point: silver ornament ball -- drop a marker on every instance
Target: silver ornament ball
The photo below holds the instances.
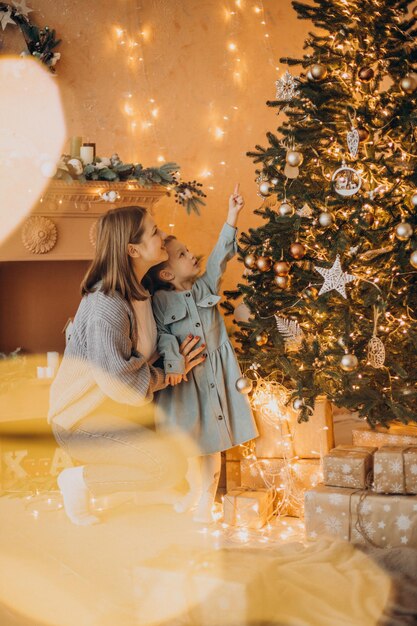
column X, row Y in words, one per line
column 413, row 259
column 325, row 219
column 403, row 231
column 294, row 158
column 408, row 84
column 274, row 181
column 244, row 385
column 264, row 188
column 298, row 404
column 349, row 362
column 286, row 210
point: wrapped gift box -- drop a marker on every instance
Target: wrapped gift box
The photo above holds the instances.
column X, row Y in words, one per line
column 394, row 436
column 348, row 466
column 395, row 470
column 239, row 452
column 315, row 438
column 275, row 439
column 251, row 509
column 361, row 516
column 199, row 587
column 233, row 475
column 288, row 479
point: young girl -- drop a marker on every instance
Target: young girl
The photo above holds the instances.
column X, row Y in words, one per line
column 100, row 403
column 207, row 406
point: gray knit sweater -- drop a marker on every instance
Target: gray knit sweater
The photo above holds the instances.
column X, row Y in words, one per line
column 101, row 362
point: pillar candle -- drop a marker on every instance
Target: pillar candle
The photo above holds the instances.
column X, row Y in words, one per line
column 75, row 146
column 87, row 154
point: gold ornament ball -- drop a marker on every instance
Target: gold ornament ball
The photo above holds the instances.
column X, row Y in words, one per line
column 282, row 268
column 297, row 250
column 309, row 75
column 413, row 259
column 282, row 281
column 408, row 84
column 261, row 339
column 348, row 362
column 403, row 231
column 244, row 385
column 264, row 263
column 325, row 219
column 294, row 158
column 413, row 199
column 363, row 133
column 318, row 71
column 264, row 188
column 250, row 261
column 366, row 74
column 311, row 292
column 285, row 209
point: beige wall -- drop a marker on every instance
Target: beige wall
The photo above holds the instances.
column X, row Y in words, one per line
column 190, row 73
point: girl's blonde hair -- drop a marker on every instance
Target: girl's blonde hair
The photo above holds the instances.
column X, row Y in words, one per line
column 112, row 264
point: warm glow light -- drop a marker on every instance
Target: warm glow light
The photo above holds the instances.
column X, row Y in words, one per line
column 154, row 112
column 218, row 133
column 232, row 46
column 161, row 159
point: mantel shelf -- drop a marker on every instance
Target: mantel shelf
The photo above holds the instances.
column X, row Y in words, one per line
column 61, row 226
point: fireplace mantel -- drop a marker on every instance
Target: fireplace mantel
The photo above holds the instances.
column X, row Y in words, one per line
column 61, row 226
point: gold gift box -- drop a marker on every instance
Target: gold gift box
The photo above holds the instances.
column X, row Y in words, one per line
column 361, row 516
column 233, row 475
column 348, row 466
column 395, row 470
column 247, row 508
column 289, row 479
column 394, row 436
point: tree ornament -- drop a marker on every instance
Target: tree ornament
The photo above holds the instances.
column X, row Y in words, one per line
column 408, row 84
column 366, row 74
column 286, row 209
column 282, row 268
column 249, row 261
column 282, row 281
column 346, row 180
column 311, row 292
column 348, row 362
column 318, row 71
column 244, row 385
column 291, row 172
column 264, row 263
column 274, row 181
column 291, row 331
column 413, row 259
column 367, row 214
column 294, row 158
column 334, row 278
column 305, row 211
column 298, row 404
column 261, row 339
column 297, row 250
column 264, row 188
column 325, row 219
column 286, row 87
column 363, row 133
column 242, row 313
column 403, row 231
column 353, row 142
column 413, row 199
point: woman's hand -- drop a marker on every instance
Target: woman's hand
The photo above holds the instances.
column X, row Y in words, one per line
column 236, row 204
column 192, row 356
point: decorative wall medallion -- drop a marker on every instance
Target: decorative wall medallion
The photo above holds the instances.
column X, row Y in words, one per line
column 39, row 234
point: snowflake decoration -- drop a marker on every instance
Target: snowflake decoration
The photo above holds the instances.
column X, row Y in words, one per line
column 396, row 467
column 334, row 278
column 413, row 469
column 381, row 524
column 368, row 529
column 336, row 498
column 346, row 468
column 404, row 539
column 387, row 508
column 286, row 87
column 403, row 522
column 333, row 524
column 366, row 507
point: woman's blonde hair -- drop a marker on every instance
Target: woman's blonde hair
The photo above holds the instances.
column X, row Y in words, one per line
column 112, row 264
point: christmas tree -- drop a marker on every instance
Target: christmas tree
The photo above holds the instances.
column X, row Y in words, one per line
column 331, row 274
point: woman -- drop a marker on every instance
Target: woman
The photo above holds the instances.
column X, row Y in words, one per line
column 107, row 372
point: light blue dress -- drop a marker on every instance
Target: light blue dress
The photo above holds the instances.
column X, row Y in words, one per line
column 208, row 407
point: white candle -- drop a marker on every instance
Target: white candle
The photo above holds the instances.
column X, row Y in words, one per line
column 87, row 154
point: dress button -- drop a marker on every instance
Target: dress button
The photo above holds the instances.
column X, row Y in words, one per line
column 198, row 324
column 173, row 317
column 212, row 385
column 187, row 295
column 220, row 417
column 169, row 365
column 209, row 302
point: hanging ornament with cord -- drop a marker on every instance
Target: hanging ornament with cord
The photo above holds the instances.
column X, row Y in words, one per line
column 376, row 349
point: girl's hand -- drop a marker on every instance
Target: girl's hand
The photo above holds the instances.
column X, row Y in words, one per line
column 173, row 379
column 236, row 204
column 193, row 356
